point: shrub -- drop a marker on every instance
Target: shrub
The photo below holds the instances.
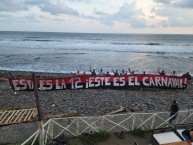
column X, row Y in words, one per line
column 138, row 132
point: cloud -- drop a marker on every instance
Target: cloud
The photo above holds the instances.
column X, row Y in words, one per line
column 178, row 12
column 127, row 14
column 130, row 13
column 163, row 1
column 136, row 15
column 177, row 17
column 177, row 3
column 12, row 5
column 56, row 7
column 184, row 4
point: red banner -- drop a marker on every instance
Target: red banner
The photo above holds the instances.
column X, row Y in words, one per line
column 86, row 82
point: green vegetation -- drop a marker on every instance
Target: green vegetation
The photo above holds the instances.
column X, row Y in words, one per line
column 138, row 132
column 85, row 138
column 35, row 143
column 16, row 143
column 94, row 138
column 28, row 143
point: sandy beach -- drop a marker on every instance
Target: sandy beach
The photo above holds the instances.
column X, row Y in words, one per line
column 91, row 102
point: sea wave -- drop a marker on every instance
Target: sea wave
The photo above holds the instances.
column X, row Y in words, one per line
column 41, row 40
column 151, row 43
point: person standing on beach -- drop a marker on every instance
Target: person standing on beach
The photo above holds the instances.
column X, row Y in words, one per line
column 173, row 111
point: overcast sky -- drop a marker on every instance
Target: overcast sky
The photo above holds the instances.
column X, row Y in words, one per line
column 106, row 16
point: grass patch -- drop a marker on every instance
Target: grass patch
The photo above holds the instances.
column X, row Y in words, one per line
column 94, row 138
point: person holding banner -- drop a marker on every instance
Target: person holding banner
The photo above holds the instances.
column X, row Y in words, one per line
column 107, row 74
column 123, row 73
column 116, row 73
column 173, row 73
column 188, row 76
column 93, row 73
column 161, row 72
column 131, row 72
column 78, row 73
column 101, row 72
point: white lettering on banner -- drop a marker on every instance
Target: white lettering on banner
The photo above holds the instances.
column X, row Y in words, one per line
column 97, row 81
column 76, row 83
column 144, row 81
column 130, row 80
column 42, row 85
column 102, row 81
column 164, row 81
column 23, row 84
column 48, row 84
column 133, row 81
column 151, row 82
column 91, row 80
column 45, row 84
column 30, row 84
column 181, row 85
column 122, row 81
column 107, row 81
column 157, row 81
column 136, row 81
column 15, row 85
column 169, row 82
column 79, row 82
column 115, row 81
column 58, row 87
column 86, row 83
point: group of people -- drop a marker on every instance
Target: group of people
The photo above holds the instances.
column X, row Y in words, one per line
column 187, row 74
column 116, row 72
column 124, row 73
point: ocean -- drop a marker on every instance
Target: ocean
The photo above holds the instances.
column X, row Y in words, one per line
column 69, row 52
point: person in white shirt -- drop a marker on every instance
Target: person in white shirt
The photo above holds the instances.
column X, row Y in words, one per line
column 123, row 73
column 173, row 73
column 101, row 73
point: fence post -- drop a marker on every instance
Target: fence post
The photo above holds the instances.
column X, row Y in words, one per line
column 134, row 119
column 102, row 122
column 40, row 117
column 153, row 121
column 77, row 126
column 51, row 126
